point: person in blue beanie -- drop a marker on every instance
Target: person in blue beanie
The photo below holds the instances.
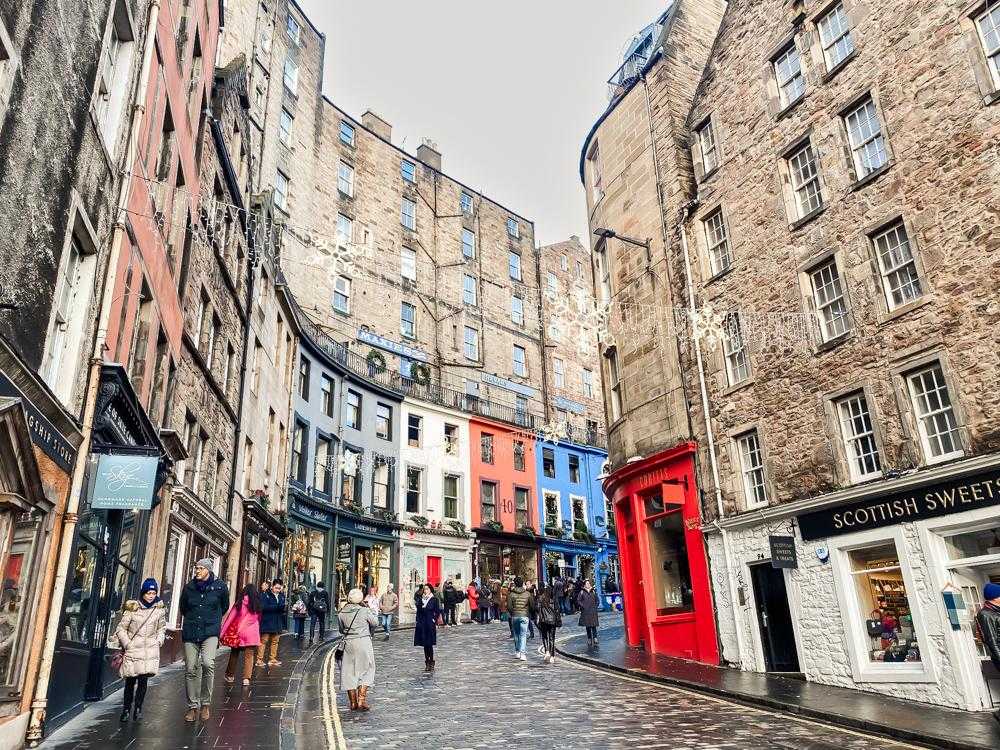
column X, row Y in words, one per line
column 988, row 620
column 140, row 632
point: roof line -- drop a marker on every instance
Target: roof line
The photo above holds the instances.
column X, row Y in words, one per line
column 364, row 127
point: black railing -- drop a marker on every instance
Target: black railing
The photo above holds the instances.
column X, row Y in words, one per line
column 433, row 392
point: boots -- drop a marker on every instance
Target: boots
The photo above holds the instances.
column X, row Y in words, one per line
column 428, row 665
column 352, row 697
column 124, row 717
column 363, row 698
column 137, row 712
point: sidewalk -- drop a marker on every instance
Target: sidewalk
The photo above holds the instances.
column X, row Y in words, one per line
column 251, row 717
column 889, row 717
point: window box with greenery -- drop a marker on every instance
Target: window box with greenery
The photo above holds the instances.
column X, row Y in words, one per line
column 421, row 521
column 493, row 526
column 582, row 534
column 261, row 497
column 526, row 530
column 554, row 531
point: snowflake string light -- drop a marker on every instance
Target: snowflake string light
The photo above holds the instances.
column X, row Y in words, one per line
column 349, row 464
column 577, row 315
column 709, row 326
column 553, row 432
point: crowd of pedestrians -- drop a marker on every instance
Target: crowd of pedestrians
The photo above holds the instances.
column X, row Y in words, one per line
column 252, row 624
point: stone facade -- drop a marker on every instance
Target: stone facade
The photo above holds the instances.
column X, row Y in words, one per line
column 633, row 158
column 572, row 361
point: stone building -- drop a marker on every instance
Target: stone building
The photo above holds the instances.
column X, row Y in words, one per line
column 571, row 326
column 843, row 221
column 636, row 170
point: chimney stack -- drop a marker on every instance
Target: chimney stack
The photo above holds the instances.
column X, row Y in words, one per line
column 377, row 125
column 428, row 153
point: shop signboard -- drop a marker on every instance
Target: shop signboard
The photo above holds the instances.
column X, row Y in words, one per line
column 43, row 434
column 389, row 345
column 952, row 495
column 509, row 385
column 783, row 552
column 124, row 482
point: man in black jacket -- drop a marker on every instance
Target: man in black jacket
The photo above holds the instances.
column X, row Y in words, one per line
column 988, row 620
column 203, row 602
column 319, row 605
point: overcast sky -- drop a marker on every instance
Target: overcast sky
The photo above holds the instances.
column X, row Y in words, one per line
column 508, row 89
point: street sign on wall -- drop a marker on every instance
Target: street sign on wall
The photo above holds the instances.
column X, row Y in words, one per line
column 783, row 552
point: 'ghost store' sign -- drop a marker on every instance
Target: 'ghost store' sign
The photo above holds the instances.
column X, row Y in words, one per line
column 927, row 501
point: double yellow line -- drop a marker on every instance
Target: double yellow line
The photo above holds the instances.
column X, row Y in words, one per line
column 328, row 702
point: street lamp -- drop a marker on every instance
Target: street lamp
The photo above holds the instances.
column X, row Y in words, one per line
column 607, row 234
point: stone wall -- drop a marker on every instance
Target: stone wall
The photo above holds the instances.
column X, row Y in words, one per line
column 920, row 70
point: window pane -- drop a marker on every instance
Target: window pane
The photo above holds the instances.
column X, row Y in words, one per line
column 934, row 412
column 835, row 35
column 859, row 437
column 668, row 552
column 831, row 305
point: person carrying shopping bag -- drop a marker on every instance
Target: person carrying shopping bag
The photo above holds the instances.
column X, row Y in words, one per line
column 141, row 632
column 241, row 632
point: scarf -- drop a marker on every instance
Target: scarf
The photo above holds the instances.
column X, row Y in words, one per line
column 150, row 605
column 425, row 599
column 202, row 586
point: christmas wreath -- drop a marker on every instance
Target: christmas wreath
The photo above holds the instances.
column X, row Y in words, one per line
column 376, row 360
column 421, row 374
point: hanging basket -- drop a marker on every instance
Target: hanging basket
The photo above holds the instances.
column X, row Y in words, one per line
column 376, row 360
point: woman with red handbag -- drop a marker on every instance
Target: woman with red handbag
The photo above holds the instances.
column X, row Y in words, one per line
column 241, row 632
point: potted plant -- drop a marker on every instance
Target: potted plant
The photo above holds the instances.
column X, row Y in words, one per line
column 457, row 526
column 420, row 521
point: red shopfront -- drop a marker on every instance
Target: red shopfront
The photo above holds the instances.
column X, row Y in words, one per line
column 665, row 580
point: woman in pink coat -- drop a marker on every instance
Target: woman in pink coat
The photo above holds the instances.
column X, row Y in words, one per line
column 241, row 632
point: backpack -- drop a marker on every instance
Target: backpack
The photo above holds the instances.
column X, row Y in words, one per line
column 299, row 608
column 319, row 600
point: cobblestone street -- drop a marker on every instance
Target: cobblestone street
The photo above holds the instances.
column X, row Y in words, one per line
column 479, row 696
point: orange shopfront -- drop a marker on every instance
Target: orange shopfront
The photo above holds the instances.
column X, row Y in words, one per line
column 665, row 581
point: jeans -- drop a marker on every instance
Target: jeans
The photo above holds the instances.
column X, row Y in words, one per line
column 565, row 606
column 531, row 628
column 133, row 694
column 548, row 633
column 300, row 626
column 510, row 621
column 385, row 620
column 199, row 671
column 520, row 634
column 321, row 617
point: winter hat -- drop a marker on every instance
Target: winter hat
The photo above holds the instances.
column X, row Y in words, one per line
column 991, row 591
column 149, row 585
column 205, row 562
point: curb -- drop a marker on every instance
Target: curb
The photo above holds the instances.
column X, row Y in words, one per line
column 760, row 701
column 286, row 724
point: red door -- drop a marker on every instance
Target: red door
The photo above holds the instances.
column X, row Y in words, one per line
column 636, row 624
column 434, row 571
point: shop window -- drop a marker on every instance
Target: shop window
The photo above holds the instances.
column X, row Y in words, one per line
column 450, row 492
column 307, row 553
column 669, row 557
column 518, row 455
column 414, row 426
column 574, row 468
column 884, row 605
column 414, row 482
column 18, row 538
column 486, row 448
column 173, row 579
column 973, row 543
column 77, row 602
column 488, row 502
column 548, row 463
column 522, row 498
column 380, row 483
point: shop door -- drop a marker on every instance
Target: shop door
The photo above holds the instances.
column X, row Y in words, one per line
column 433, row 570
column 636, row 624
column 775, row 621
column 971, row 581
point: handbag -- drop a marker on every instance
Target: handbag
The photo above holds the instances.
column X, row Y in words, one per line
column 874, row 624
column 231, row 637
column 341, row 643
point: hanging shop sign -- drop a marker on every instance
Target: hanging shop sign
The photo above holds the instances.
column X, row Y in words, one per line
column 48, row 439
column 390, row 346
column 508, row 385
column 930, row 501
column 124, row 482
column 783, row 552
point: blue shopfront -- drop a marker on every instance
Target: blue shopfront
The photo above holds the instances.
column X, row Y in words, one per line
column 578, row 530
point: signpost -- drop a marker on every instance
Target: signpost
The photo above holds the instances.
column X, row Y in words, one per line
column 783, row 552
column 124, row 482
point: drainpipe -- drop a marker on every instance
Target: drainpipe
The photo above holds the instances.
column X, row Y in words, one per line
column 36, row 727
column 713, row 461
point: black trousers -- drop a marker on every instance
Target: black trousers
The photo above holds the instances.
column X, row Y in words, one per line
column 591, row 632
column 135, row 690
column 428, row 653
column 450, row 618
column 548, row 633
column 321, row 617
